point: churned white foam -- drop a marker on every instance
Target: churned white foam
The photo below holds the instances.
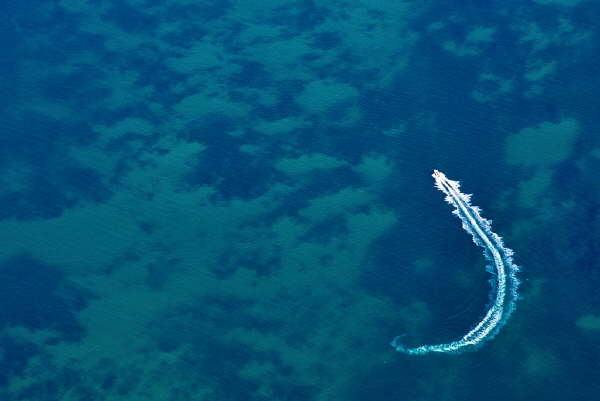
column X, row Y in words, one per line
column 504, row 291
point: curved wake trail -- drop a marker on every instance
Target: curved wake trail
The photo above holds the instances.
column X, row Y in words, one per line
column 504, row 284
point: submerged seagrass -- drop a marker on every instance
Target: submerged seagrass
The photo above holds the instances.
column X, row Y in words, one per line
column 505, row 284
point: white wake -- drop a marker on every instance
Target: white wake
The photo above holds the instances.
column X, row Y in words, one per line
column 504, row 284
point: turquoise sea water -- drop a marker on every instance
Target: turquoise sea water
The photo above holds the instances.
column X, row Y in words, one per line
column 232, row 200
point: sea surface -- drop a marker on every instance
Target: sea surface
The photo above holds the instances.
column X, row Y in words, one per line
column 231, row 200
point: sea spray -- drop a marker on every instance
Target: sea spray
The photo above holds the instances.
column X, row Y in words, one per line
column 504, row 283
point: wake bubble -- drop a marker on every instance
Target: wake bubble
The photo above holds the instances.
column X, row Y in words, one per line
column 504, row 283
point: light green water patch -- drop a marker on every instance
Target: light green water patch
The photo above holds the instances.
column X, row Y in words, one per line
column 331, row 205
column 540, row 149
column 307, row 163
column 473, row 42
column 130, row 125
column 539, row 70
column 201, row 104
column 540, row 362
column 480, row 34
column 530, row 189
column 589, row 322
column 595, row 153
column 319, row 96
column 563, row 3
column 501, row 86
column 374, row 168
column 543, row 145
column 565, row 33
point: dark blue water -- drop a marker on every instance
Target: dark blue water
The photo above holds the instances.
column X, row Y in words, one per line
column 232, row 200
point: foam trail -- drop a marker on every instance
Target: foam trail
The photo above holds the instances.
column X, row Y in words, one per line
column 504, row 283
